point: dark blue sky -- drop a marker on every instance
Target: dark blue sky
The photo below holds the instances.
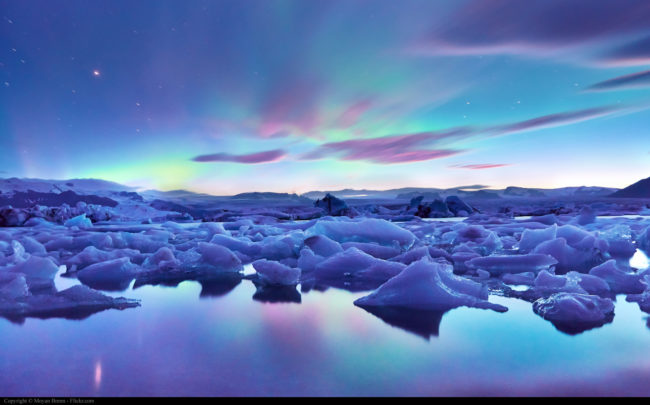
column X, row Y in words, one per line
column 230, row 96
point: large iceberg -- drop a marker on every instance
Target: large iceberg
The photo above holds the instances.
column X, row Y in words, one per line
column 427, row 285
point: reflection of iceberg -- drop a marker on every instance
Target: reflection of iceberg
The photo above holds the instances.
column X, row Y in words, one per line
column 219, row 285
column 347, row 283
column 276, row 293
column 78, row 302
column 419, row 322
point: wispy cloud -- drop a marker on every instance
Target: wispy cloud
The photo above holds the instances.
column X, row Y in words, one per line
column 422, row 146
column 253, row 158
column 634, row 80
column 574, row 29
column 480, row 166
column 553, row 120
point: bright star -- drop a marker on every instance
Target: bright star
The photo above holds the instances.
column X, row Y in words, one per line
column 96, row 73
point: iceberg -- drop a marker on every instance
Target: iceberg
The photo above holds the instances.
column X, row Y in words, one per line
column 366, row 230
column 274, row 273
column 111, row 275
column 499, row 264
column 575, row 313
column 426, row 285
column 355, row 263
column 619, row 281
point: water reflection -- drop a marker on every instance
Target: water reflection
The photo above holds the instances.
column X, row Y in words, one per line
column 576, row 328
column 351, row 284
column 98, row 375
column 118, row 285
column 419, row 322
column 276, row 294
column 219, row 285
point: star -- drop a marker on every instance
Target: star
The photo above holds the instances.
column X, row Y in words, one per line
column 96, row 73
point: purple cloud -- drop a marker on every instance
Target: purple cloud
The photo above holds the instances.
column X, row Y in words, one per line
column 553, row 120
column 634, row 80
column 253, row 158
column 480, row 166
column 426, row 145
column 390, row 149
column 535, row 28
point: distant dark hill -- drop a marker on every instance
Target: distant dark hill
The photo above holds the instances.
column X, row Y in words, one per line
column 640, row 189
column 31, row 198
column 256, row 195
column 522, row 192
column 482, row 194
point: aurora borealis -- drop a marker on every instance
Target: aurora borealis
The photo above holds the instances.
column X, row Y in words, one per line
column 225, row 97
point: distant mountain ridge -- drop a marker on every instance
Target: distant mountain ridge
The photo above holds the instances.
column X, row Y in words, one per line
column 468, row 192
column 121, row 192
column 640, row 189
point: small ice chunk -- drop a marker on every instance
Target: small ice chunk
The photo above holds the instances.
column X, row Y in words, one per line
column 572, row 234
column 13, row 286
column 37, row 269
column 527, row 278
column 321, row 245
column 145, row 243
column 279, row 247
column 365, row 230
column 219, row 257
column 18, row 252
column 163, row 259
column 373, row 249
column 499, row 264
column 242, row 245
column 91, row 255
column 490, row 244
column 482, row 274
column 355, row 263
column 308, row 260
column 460, row 259
column 79, row 221
column 111, row 274
column 644, row 240
column 642, row 299
column 590, row 283
column 587, row 216
column 429, row 286
column 619, row 280
column 547, row 280
column 574, row 313
column 274, row 273
column 412, row 255
column 213, row 228
column 568, row 257
column 530, row 238
column 32, row 246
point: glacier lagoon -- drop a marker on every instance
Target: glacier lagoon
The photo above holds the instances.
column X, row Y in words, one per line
column 185, row 341
column 233, row 336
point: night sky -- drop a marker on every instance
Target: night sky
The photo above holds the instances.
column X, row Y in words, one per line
column 228, row 96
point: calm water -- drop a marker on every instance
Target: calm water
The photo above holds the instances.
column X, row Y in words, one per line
column 188, row 340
